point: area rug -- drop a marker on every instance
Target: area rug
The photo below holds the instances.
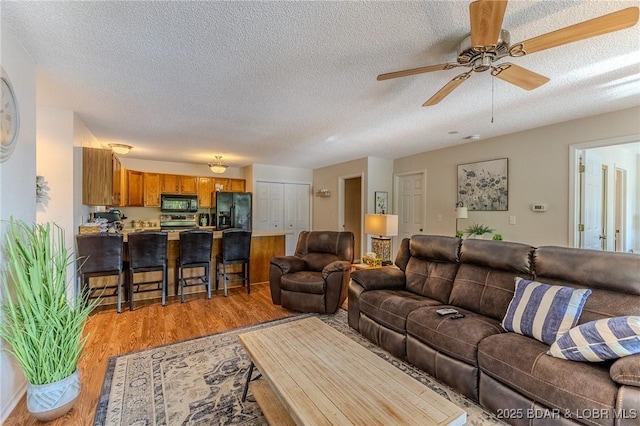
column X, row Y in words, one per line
column 200, row 382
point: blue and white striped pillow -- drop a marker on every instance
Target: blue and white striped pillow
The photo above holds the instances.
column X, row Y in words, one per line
column 600, row 340
column 543, row 311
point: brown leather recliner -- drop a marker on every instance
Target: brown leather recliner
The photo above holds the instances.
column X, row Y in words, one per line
column 316, row 278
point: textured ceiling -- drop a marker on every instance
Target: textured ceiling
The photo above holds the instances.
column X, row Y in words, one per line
column 294, row 83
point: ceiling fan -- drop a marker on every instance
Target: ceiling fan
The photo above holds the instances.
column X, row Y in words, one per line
column 488, row 43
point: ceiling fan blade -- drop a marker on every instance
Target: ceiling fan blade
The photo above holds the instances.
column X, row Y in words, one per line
column 519, row 76
column 448, row 88
column 413, row 71
column 486, row 21
column 615, row 21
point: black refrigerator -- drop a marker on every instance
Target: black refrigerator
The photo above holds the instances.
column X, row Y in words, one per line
column 233, row 210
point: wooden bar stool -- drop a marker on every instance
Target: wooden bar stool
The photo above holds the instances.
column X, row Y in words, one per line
column 195, row 252
column 147, row 253
column 100, row 255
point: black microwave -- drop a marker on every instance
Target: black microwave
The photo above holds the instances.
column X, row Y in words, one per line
column 178, row 203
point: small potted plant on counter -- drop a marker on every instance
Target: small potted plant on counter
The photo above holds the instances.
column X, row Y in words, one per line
column 42, row 326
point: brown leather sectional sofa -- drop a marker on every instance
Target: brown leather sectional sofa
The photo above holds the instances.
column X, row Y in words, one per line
column 507, row 373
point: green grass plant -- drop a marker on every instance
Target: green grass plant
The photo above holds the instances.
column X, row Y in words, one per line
column 478, row 229
column 43, row 327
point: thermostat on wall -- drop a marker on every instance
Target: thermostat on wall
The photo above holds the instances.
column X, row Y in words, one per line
column 539, row 207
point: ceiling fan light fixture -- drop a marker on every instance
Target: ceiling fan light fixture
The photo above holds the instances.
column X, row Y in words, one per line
column 217, row 166
column 120, row 148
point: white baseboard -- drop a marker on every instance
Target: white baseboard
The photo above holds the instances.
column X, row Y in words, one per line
column 10, row 405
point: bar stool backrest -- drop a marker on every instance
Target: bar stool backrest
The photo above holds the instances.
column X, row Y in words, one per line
column 195, row 246
column 99, row 253
column 236, row 244
column 147, row 249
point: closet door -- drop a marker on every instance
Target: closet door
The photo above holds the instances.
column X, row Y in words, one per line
column 296, row 213
column 276, row 206
column 269, row 206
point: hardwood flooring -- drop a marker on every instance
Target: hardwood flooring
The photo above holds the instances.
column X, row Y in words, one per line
column 149, row 325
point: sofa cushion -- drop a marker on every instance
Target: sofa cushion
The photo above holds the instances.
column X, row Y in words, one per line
column 522, row 364
column 457, row 338
column 303, row 282
column 600, row 340
column 391, row 307
column 485, row 281
column 430, row 278
column 612, row 277
column 542, row 311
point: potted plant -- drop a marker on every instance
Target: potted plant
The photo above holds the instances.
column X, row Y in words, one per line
column 477, row 230
column 43, row 327
column 497, row 237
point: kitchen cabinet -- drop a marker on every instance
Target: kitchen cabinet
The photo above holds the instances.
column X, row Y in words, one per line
column 237, row 185
column 120, row 189
column 169, row 184
column 135, row 188
column 229, row 185
column 97, row 177
column 188, row 184
column 178, row 184
column 205, row 187
column 152, row 185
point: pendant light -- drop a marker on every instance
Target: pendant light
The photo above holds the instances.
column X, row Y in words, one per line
column 120, row 148
column 217, row 166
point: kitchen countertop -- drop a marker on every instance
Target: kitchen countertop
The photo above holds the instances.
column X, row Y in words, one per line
column 175, row 235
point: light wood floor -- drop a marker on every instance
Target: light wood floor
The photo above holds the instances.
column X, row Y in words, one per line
column 151, row 325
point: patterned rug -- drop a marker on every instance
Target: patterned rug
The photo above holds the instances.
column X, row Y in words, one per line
column 200, row 382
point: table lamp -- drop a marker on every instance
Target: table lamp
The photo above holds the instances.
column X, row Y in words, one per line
column 384, row 226
column 461, row 213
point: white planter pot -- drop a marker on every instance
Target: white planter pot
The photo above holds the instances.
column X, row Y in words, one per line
column 52, row 400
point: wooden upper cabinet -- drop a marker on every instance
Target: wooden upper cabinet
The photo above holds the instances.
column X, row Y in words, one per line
column 205, row 187
column 188, row 184
column 119, row 176
column 220, row 184
column 97, row 177
column 152, row 184
column 135, row 188
column 237, row 185
column 229, row 185
column 169, row 184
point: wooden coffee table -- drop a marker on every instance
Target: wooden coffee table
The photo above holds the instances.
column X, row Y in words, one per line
column 314, row 375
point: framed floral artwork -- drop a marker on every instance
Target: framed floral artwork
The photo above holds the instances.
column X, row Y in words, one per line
column 484, row 185
column 382, row 199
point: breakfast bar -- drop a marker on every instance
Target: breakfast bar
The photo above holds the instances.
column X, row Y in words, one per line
column 264, row 246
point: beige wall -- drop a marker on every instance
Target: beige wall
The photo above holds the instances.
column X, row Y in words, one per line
column 538, row 173
column 17, row 189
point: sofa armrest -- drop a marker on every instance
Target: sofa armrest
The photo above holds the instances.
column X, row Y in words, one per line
column 626, row 370
column 378, row 279
column 289, row 264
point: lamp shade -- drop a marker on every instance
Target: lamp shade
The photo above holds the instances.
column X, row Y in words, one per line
column 462, row 213
column 385, row 225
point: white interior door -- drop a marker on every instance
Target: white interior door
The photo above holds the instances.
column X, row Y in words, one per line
column 592, row 201
column 411, row 205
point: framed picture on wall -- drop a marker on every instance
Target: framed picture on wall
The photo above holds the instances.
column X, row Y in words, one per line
column 382, row 199
column 484, row 186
